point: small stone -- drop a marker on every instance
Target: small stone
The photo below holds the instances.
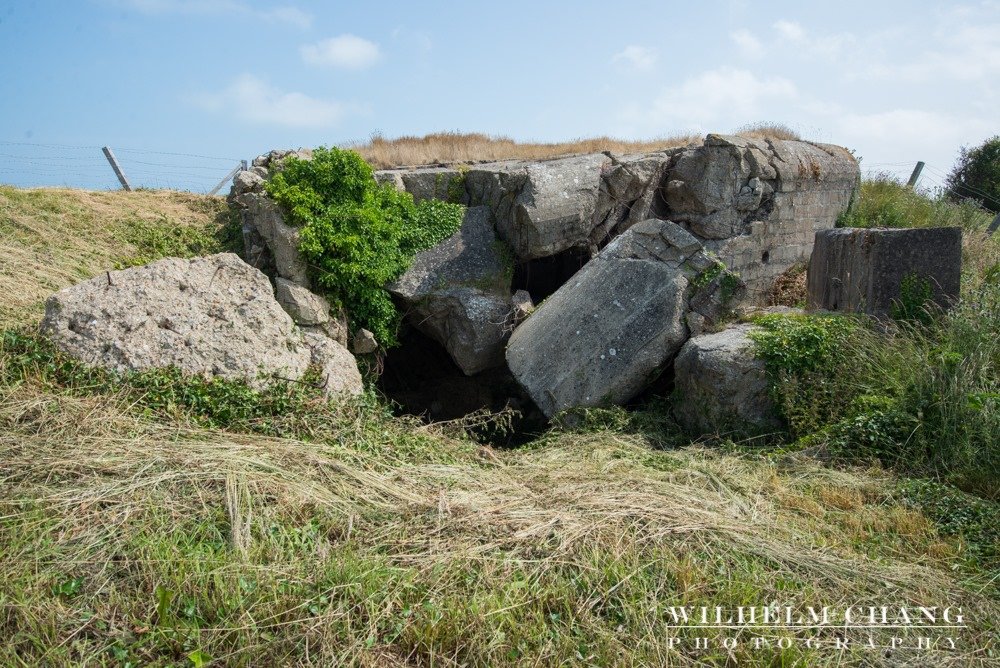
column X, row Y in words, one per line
column 305, row 307
column 522, row 304
column 338, row 369
column 364, row 342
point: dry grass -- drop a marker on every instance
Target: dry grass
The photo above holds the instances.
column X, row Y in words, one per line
column 457, row 147
column 768, row 131
column 51, row 238
column 372, row 541
column 455, row 562
column 789, row 288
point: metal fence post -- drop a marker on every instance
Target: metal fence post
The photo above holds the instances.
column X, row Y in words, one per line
column 238, row 168
column 118, row 170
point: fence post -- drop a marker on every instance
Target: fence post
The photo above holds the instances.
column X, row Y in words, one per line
column 118, row 170
column 238, row 168
column 994, row 226
column 916, row 174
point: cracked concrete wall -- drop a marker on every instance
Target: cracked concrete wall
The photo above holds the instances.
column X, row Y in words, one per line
column 755, row 203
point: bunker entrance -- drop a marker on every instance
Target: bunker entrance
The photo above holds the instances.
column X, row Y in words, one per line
column 421, row 379
column 544, row 276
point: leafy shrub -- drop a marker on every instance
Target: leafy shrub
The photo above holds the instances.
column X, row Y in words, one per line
column 920, row 397
column 956, row 513
column 356, row 234
column 976, row 175
column 805, row 361
column 876, row 427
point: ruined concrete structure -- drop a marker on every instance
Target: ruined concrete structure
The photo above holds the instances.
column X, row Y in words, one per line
column 875, row 271
column 755, row 203
column 650, row 245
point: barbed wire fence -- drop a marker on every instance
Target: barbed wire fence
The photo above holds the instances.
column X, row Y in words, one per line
column 32, row 164
column 935, row 179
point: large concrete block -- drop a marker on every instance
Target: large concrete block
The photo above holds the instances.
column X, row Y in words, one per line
column 213, row 316
column 458, row 293
column 603, row 335
column 757, row 203
column 541, row 208
column 720, row 387
column 864, row 270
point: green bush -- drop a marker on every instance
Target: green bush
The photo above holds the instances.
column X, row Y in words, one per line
column 955, row 513
column 805, row 360
column 885, row 202
column 976, row 175
column 922, row 397
column 357, row 235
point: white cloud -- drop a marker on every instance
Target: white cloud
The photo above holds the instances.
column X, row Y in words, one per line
column 909, row 135
column 790, row 30
column 251, row 99
column 282, row 13
column 792, row 34
column 712, row 101
column 966, row 50
column 748, row 43
column 344, row 51
column 636, row 57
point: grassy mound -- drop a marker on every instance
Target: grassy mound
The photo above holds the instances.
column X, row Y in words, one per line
column 142, row 524
column 52, row 238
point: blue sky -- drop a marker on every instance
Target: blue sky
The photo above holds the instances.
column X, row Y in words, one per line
column 229, row 79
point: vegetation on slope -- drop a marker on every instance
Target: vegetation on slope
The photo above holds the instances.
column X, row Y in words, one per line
column 152, row 542
column 885, row 202
column 155, row 520
column 52, row 238
column 922, row 395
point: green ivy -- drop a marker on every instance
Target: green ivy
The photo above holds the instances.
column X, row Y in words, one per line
column 804, row 360
column 358, row 235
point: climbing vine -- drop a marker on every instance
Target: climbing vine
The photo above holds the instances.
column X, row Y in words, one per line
column 356, row 234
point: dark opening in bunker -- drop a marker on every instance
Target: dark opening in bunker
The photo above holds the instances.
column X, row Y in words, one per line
column 422, row 379
column 545, row 275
